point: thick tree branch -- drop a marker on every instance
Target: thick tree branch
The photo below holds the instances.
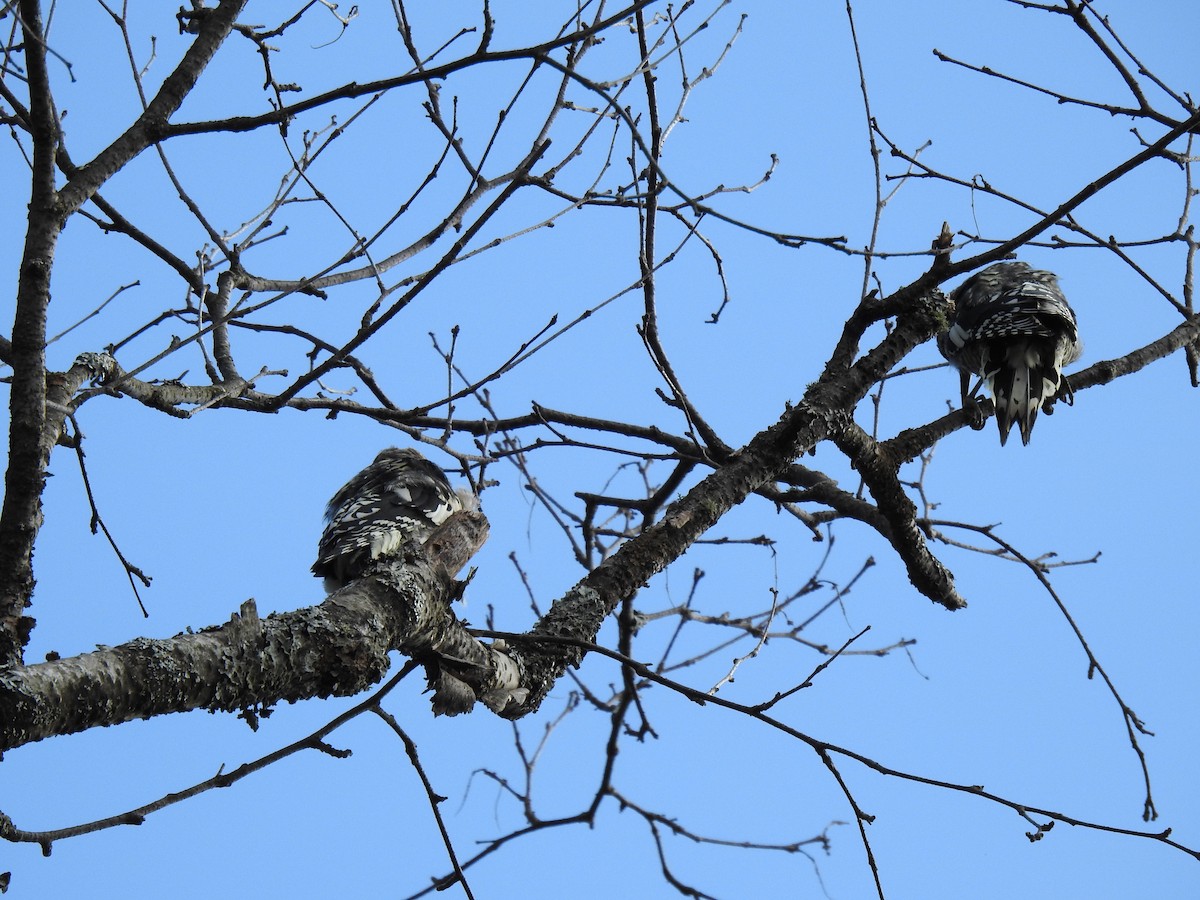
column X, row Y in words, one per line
column 337, row 648
column 21, row 516
column 880, row 471
column 826, row 410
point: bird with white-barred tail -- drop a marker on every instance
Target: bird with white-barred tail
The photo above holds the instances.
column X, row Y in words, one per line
column 400, row 497
column 1014, row 329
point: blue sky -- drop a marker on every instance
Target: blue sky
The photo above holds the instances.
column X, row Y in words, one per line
column 227, row 505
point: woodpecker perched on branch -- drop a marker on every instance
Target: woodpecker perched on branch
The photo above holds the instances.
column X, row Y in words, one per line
column 1013, row 328
column 399, row 497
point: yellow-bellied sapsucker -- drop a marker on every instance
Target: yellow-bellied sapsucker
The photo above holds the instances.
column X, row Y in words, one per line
column 399, row 497
column 1013, row 328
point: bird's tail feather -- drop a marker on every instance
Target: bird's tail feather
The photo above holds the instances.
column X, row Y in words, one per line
column 1019, row 390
